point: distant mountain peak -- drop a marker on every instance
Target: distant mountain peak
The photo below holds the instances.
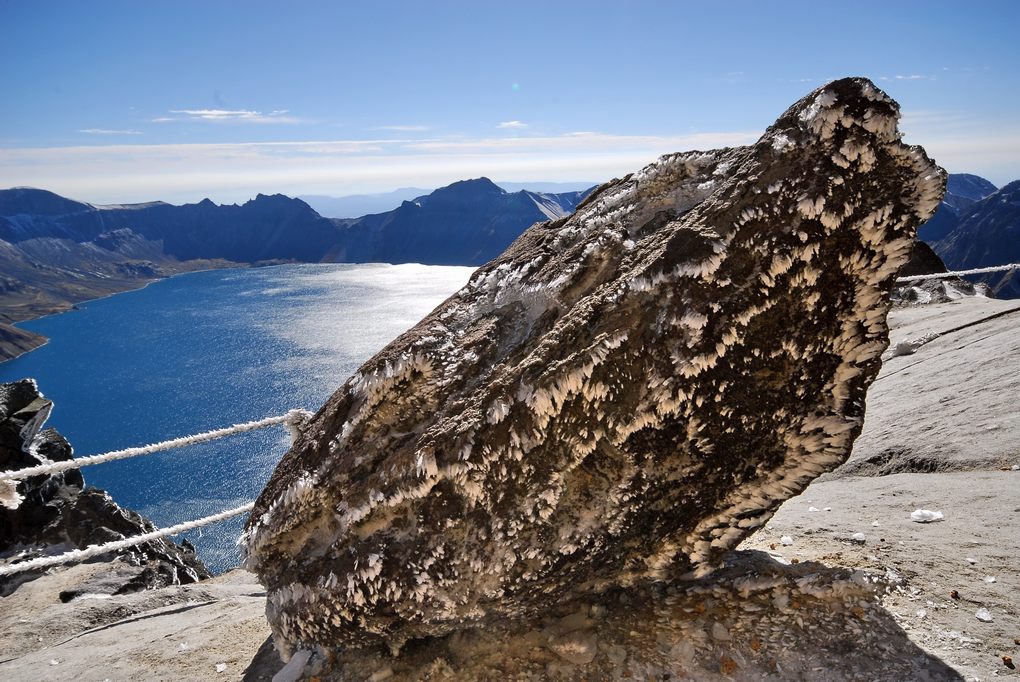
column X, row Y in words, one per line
column 970, row 186
column 33, row 201
column 476, row 187
column 478, row 184
column 1011, row 187
column 963, row 190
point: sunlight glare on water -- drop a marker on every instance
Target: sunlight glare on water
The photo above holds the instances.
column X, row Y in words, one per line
column 209, row 349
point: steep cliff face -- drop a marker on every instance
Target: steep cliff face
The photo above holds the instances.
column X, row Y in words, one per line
column 58, row 512
column 622, row 396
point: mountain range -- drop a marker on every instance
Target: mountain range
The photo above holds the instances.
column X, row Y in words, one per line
column 979, row 226
column 55, row 252
column 354, row 205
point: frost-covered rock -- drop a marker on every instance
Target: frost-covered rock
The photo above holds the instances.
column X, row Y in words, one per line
column 622, row 396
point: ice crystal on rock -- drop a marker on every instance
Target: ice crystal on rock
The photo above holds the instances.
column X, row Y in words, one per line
column 623, row 395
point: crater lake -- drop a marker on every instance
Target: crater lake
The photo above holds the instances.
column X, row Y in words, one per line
column 202, row 351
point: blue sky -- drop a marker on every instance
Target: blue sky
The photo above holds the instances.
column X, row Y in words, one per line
column 179, row 100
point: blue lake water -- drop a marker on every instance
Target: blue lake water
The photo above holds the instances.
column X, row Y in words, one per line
column 208, row 349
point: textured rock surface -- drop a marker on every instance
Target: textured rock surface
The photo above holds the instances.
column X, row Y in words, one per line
column 59, row 513
column 181, row 633
column 756, row 619
column 622, row 396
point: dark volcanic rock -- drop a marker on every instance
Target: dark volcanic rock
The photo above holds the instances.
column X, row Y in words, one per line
column 58, row 513
column 622, row 396
column 923, row 261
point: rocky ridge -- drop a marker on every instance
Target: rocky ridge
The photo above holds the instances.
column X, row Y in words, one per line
column 619, row 399
column 58, row 512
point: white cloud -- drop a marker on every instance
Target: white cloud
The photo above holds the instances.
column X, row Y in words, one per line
column 235, row 172
column 911, row 77
column 512, row 125
column 965, row 144
column 228, row 115
column 104, row 131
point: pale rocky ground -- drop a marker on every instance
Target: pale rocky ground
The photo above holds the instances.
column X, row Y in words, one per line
column 174, row 633
column 942, row 433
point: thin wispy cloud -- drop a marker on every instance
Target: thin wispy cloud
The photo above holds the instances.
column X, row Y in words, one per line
column 928, row 121
column 963, row 143
column 236, row 171
column 106, row 131
column 228, row 116
column 512, row 125
column 911, row 77
column 403, row 128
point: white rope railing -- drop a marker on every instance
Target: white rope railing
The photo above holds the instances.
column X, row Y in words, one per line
column 959, row 273
column 294, row 419
column 118, row 545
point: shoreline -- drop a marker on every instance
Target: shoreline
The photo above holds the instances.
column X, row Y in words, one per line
column 142, row 284
column 145, row 283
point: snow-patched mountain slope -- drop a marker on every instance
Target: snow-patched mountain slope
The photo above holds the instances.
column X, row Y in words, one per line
column 988, row 234
column 466, row 223
column 962, row 191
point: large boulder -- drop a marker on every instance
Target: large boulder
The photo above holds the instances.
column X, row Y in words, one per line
column 621, row 397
